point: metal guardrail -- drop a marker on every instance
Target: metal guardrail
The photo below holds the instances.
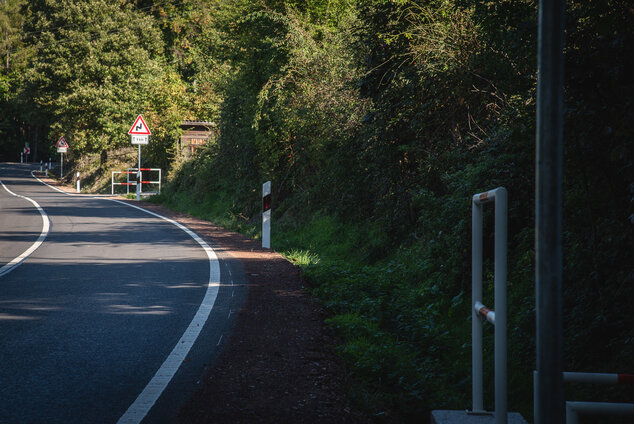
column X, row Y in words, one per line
column 498, row 318
column 575, row 408
column 133, row 182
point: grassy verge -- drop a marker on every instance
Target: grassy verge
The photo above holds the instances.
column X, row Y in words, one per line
column 402, row 336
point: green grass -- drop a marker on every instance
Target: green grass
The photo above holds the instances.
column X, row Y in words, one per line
column 400, row 314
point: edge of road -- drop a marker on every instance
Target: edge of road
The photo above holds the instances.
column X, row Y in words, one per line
column 46, row 225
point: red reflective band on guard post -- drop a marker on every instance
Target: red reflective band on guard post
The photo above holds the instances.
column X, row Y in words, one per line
column 484, row 311
column 626, row 379
column 266, row 202
column 483, row 197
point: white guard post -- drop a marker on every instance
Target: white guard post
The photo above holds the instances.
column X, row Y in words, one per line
column 138, row 184
column 266, row 215
column 21, row 157
column 498, row 318
column 78, row 185
column 40, row 167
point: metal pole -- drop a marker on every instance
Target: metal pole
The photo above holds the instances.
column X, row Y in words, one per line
column 61, row 165
column 476, row 295
column 140, row 189
column 501, row 402
column 548, row 224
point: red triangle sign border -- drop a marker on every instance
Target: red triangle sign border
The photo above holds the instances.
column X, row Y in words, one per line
column 61, row 142
column 139, row 128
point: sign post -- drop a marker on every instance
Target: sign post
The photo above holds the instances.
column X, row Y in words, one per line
column 62, row 147
column 266, row 215
column 140, row 134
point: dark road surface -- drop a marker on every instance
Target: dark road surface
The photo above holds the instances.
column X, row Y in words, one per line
column 89, row 318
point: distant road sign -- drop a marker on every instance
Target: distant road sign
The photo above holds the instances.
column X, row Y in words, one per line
column 27, row 150
column 61, row 143
column 62, row 149
column 139, row 128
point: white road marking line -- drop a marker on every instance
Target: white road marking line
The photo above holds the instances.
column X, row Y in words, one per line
column 45, row 229
column 150, row 394
column 142, row 405
column 219, row 340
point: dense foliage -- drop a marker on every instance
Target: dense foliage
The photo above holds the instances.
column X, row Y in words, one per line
column 376, row 121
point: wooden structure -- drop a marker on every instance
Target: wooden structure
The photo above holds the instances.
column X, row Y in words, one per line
column 195, row 135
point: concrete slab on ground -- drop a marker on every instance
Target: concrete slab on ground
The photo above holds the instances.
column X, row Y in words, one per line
column 462, row 417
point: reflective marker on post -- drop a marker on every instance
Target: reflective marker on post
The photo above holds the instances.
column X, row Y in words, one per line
column 266, row 215
column 78, row 186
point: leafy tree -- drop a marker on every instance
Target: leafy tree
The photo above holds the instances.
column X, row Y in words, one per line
column 96, row 62
column 14, row 54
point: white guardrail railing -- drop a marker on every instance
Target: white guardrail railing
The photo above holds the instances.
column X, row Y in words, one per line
column 134, row 180
column 497, row 318
column 575, row 408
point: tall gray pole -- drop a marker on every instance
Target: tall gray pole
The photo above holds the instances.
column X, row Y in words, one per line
column 550, row 402
column 140, row 186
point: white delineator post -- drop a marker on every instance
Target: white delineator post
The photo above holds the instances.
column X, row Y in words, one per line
column 78, row 185
column 266, row 215
column 498, row 318
column 40, row 166
column 138, row 184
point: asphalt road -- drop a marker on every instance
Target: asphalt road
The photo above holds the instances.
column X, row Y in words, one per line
column 88, row 319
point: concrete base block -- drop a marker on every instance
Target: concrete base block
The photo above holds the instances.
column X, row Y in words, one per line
column 461, row 417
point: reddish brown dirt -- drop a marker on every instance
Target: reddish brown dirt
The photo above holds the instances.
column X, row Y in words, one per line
column 279, row 365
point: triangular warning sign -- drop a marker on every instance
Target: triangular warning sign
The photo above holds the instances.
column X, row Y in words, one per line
column 61, row 142
column 139, row 127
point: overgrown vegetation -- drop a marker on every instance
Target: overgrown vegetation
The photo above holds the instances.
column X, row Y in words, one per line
column 376, row 121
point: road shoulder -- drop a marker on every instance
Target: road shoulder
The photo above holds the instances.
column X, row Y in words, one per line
column 279, row 364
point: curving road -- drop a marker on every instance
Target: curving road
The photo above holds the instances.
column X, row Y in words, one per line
column 98, row 320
